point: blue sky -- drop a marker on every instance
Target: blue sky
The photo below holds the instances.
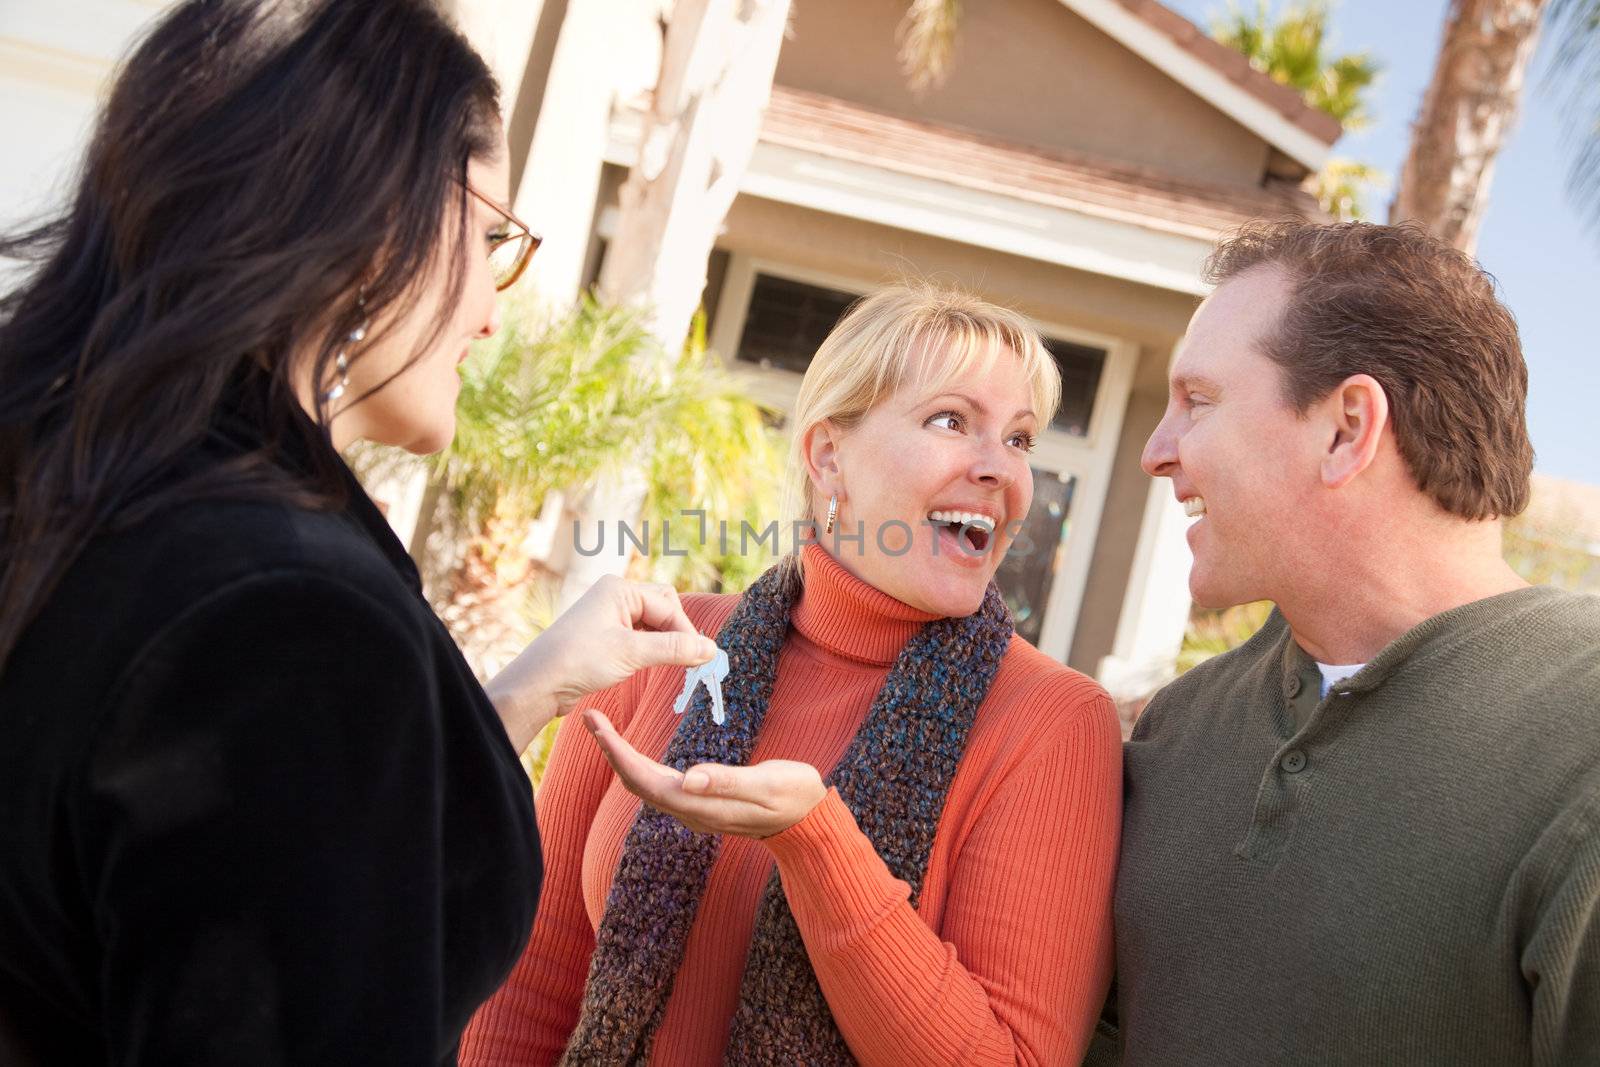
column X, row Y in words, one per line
column 1532, row 238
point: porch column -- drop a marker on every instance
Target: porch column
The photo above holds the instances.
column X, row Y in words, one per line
column 1155, row 607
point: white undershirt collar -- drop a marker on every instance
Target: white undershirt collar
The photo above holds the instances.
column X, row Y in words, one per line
column 1336, row 672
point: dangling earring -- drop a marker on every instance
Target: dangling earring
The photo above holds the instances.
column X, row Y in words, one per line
column 833, row 512
column 341, row 362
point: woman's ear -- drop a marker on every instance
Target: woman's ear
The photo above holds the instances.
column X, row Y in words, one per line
column 1358, row 412
column 819, row 445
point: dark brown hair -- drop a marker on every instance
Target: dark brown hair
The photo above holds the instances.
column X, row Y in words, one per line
column 1425, row 321
column 259, row 167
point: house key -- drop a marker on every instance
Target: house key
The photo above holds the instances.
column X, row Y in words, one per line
column 712, row 673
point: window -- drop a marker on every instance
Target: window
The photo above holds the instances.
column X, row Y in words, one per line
column 1029, row 570
column 1080, row 367
column 787, row 322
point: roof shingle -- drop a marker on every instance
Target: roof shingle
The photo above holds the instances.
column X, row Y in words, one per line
column 1232, row 65
column 843, row 130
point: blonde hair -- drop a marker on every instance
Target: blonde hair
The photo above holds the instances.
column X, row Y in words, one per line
column 872, row 352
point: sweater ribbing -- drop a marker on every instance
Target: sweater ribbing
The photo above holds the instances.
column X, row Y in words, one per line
column 1008, row 951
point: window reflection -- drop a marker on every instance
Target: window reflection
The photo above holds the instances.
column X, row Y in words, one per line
column 1029, row 571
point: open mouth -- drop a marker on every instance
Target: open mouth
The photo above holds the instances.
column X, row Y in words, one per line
column 972, row 532
column 1194, row 507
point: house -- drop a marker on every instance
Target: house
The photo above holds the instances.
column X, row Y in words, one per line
column 1077, row 164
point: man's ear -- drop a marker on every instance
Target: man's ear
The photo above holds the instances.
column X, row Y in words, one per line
column 1357, row 412
column 819, row 447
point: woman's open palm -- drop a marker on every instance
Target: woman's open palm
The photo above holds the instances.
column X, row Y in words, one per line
column 758, row 801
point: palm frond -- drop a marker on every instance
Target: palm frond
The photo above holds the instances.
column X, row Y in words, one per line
column 547, row 404
column 1574, row 28
column 1345, row 186
column 1341, row 90
column 555, row 403
column 927, row 38
column 1292, row 49
column 1294, row 53
column 1244, row 31
column 559, row 403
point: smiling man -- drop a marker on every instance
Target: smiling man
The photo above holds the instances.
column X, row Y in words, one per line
column 1371, row 834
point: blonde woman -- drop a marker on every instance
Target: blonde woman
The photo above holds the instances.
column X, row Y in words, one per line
column 899, row 847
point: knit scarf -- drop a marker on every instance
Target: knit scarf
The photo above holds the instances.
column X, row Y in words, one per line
column 893, row 777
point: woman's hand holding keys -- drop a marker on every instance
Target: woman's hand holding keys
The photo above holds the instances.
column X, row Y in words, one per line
column 616, row 628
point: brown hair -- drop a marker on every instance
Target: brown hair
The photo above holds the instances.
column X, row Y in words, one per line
column 1425, row 321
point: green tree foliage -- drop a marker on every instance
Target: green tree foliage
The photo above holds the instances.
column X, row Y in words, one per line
column 1293, row 50
column 1343, row 186
column 558, row 403
column 552, row 404
column 1212, row 633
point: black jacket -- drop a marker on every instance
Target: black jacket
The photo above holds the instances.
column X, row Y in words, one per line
column 254, row 807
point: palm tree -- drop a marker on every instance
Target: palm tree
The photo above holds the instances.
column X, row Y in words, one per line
column 1466, row 115
column 1342, row 187
column 696, row 140
column 1292, row 50
column 1471, row 104
column 554, row 403
column 1575, row 26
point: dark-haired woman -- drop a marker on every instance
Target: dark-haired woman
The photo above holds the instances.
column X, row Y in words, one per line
column 254, row 808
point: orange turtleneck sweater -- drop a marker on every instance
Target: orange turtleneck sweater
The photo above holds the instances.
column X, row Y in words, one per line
column 1005, row 959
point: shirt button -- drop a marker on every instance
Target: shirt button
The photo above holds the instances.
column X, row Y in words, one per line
column 1294, row 761
column 1294, row 687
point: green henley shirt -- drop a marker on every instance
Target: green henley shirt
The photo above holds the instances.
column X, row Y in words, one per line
column 1406, row 871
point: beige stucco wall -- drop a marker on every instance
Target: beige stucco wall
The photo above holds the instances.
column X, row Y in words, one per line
column 869, row 253
column 1029, row 71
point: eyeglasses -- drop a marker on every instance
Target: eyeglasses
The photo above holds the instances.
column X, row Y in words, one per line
column 510, row 251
